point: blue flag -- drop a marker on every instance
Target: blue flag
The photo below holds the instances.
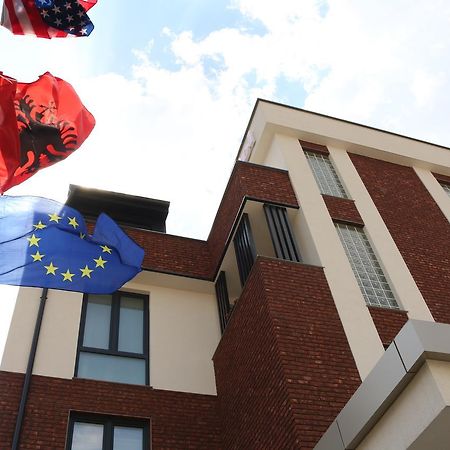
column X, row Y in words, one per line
column 46, row 244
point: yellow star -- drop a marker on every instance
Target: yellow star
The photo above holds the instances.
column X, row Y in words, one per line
column 39, row 226
column 100, row 262
column 67, row 275
column 33, row 240
column 106, row 249
column 54, row 218
column 37, row 256
column 86, row 272
column 73, row 221
column 82, row 235
column 51, row 269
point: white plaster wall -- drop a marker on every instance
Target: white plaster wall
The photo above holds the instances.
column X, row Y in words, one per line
column 320, row 245
column 56, row 352
column 422, row 401
column 184, row 332
column 270, row 119
column 400, row 279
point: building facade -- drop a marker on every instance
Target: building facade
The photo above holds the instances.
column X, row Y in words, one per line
column 315, row 315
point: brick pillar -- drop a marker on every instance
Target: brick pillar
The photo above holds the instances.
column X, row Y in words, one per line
column 283, row 367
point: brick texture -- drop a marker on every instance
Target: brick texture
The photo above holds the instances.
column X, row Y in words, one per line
column 178, row 420
column 388, row 322
column 342, row 209
column 253, row 181
column 200, row 259
column 283, row 367
column 417, row 225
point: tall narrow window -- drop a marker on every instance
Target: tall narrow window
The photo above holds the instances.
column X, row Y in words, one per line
column 281, row 232
column 325, row 175
column 446, row 188
column 367, row 270
column 92, row 432
column 113, row 343
column 223, row 302
column 245, row 248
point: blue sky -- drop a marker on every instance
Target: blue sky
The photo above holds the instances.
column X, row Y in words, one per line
column 172, row 86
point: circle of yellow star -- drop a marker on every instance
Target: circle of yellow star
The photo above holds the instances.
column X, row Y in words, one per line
column 82, row 235
column 33, row 240
column 73, row 221
column 67, row 275
column 51, row 269
column 100, row 262
column 86, row 272
column 54, row 217
column 37, row 256
column 106, row 249
column 39, row 226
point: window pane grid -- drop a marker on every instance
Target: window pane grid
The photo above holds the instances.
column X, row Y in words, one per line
column 446, row 188
column 325, row 175
column 367, row 270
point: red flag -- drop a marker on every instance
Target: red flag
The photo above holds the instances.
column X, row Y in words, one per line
column 43, row 123
column 48, row 18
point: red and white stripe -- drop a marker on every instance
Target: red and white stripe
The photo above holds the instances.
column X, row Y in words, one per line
column 22, row 17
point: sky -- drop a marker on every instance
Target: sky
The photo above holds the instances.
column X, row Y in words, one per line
column 172, row 86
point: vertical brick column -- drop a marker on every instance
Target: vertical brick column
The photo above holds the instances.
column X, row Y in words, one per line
column 283, row 367
column 417, row 225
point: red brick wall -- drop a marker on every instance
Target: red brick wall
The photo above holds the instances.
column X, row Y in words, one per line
column 283, row 367
column 248, row 180
column 199, row 259
column 342, row 209
column 178, row 420
column 388, row 322
column 417, row 225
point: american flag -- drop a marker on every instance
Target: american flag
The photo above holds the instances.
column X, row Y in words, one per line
column 48, row 18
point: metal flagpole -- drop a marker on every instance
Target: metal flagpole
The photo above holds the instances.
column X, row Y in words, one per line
column 28, row 373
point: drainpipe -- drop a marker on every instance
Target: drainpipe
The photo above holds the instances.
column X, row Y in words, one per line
column 28, row 373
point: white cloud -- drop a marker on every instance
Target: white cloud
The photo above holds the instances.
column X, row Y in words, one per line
column 172, row 133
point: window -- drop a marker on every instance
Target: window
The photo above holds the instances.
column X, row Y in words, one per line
column 446, row 187
column 281, row 233
column 325, row 175
column 91, row 432
column 244, row 247
column 113, row 340
column 367, row 270
column 223, row 301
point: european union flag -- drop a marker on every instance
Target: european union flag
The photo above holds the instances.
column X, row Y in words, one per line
column 46, row 244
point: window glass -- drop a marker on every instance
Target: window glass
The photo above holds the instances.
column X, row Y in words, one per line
column 87, row 436
column 131, row 323
column 367, row 270
column 113, row 346
column 111, row 368
column 325, row 175
column 446, row 188
column 98, row 317
column 127, row 438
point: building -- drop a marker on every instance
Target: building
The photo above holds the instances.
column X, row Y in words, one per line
column 316, row 314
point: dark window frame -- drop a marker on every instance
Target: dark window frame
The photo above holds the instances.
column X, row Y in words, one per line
column 281, row 233
column 114, row 333
column 244, row 246
column 109, row 422
column 223, row 300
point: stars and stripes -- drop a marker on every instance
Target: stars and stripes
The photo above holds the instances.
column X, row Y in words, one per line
column 48, row 18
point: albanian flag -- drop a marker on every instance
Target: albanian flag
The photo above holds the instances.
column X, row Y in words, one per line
column 41, row 123
column 48, row 18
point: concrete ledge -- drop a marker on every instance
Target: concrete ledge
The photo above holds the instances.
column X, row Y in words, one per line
column 416, row 342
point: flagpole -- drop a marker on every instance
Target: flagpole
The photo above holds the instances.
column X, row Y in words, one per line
column 27, row 380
